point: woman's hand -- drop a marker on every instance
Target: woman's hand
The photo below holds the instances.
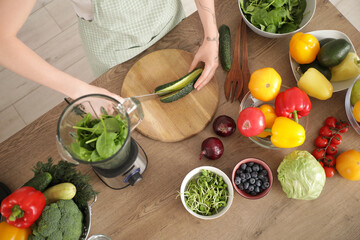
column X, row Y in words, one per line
column 90, row 89
column 209, row 54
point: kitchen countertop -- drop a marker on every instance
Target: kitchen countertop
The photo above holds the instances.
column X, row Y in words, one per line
column 151, row 209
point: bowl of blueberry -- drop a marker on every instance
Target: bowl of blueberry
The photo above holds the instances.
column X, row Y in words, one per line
column 252, row 178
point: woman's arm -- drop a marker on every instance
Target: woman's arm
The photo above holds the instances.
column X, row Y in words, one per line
column 17, row 57
column 209, row 50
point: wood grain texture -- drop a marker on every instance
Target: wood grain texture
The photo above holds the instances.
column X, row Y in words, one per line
column 178, row 120
column 151, row 210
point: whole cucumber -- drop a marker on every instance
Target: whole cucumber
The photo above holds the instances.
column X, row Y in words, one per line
column 333, row 52
column 225, row 47
column 40, row 181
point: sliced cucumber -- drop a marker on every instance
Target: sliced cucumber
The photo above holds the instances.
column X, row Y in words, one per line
column 178, row 84
column 180, row 93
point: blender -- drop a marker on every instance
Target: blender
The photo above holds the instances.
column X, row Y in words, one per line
column 128, row 162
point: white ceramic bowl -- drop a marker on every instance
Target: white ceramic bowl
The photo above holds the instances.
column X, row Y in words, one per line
column 349, row 108
column 308, row 14
column 195, row 173
column 321, row 34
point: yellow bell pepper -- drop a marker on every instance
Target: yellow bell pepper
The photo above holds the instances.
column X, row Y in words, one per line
column 286, row 133
column 9, row 232
column 348, row 68
column 304, row 47
column 270, row 115
column 315, row 84
column 356, row 111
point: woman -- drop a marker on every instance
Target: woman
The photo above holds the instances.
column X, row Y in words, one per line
column 112, row 32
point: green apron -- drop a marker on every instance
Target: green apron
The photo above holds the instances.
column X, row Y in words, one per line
column 121, row 29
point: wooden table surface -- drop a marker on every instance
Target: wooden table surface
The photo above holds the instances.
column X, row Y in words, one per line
column 151, row 209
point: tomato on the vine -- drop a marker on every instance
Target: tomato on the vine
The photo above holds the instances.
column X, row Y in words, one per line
column 331, row 149
column 318, row 153
column 331, row 122
column 325, row 131
column 321, row 142
column 345, row 126
column 329, row 160
column 321, row 163
column 329, row 171
column 336, row 139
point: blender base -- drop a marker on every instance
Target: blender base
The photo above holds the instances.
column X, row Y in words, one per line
column 128, row 174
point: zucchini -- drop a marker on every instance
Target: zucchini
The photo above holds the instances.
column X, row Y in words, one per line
column 61, row 191
column 333, row 52
column 40, row 181
column 225, row 47
column 322, row 42
column 181, row 93
column 178, row 84
column 315, row 64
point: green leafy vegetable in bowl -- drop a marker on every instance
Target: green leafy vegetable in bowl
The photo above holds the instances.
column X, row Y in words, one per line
column 206, row 194
column 98, row 139
column 274, row 16
column 301, row 175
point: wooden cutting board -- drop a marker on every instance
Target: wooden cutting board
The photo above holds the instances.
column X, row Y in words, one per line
column 176, row 121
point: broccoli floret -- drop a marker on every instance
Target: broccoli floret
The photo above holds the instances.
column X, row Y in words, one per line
column 60, row 220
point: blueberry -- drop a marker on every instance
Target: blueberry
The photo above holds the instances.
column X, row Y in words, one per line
column 258, row 183
column 243, row 166
column 241, row 186
column 251, row 188
column 246, row 185
column 238, row 172
column 261, row 168
column 256, row 167
column 242, row 176
column 252, row 180
column 263, row 187
column 266, row 184
column 237, row 180
column 261, row 176
column 253, row 193
column 254, row 174
column 249, row 169
column 247, row 176
column 264, row 172
column 250, row 164
column 257, row 189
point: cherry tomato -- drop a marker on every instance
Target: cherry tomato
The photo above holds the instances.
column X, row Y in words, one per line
column 321, row 142
column 329, row 160
column 331, row 149
column 336, row 140
column 251, row 122
column 331, row 122
column 344, row 126
column 318, row 153
column 329, row 171
column 325, row 131
column 321, row 163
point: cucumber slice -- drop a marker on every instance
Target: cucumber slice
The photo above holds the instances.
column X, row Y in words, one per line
column 178, row 84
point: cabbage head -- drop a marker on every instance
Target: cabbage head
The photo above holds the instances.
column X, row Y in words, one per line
column 301, row 175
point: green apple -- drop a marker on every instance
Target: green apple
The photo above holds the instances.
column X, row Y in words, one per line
column 355, row 93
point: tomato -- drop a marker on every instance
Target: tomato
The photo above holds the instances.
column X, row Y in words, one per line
column 331, row 149
column 329, row 171
column 331, row 122
column 304, row 48
column 251, row 122
column 321, row 142
column 270, row 115
column 348, row 165
column 318, row 153
column 325, row 131
column 265, row 84
column 336, row 140
column 344, row 126
column 321, row 163
column 329, row 160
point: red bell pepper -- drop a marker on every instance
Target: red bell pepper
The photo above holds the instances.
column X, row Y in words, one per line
column 292, row 103
column 23, row 207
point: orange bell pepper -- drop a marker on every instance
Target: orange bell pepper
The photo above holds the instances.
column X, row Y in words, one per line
column 304, row 47
column 270, row 115
column 9, row 232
